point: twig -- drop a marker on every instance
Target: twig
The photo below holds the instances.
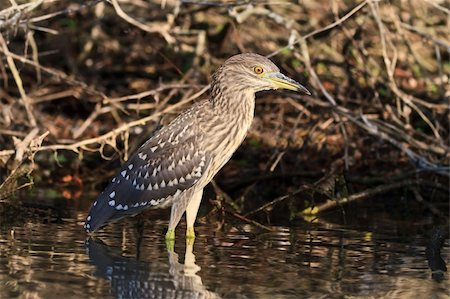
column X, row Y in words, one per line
column 98, row 111
column 328, row 27
column 332, row 203
column 312, row 72
column 160, row 28
column 58, row 74
column 18, row 81
column 229, row 202
column 147, row 93
column 435, row 40
column 12, row 133
column 9, row 186
column 245, row 219
column 370, row 127
column 35, row 54
column 112, row 134
column 390, row 68
column 222, row 194
column 22, row 145
column 250, row 179
column 278, row 199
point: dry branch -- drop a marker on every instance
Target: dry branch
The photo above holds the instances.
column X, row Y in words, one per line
column 369, row 193
column 374, row 66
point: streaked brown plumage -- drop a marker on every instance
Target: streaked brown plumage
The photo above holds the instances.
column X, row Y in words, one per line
column 173, row 166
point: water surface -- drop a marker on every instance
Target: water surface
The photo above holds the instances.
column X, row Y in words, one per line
column 325, row 259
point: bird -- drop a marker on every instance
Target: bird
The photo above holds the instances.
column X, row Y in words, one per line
column 172, row 167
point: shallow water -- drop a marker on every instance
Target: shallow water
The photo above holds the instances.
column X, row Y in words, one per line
column 320, row 260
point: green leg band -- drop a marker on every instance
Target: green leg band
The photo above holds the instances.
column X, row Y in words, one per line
column 170, row 235
column 170, row 240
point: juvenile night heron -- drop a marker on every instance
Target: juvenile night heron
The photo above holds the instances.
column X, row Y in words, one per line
column 173, row 166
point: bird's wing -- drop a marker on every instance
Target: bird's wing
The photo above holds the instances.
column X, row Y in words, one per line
column 167, row 165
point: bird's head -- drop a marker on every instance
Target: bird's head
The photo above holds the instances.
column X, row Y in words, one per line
column 256, row 73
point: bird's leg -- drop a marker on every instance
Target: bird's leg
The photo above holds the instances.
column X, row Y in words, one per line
column 177, row 211
column 191, row 214
column 175, row 217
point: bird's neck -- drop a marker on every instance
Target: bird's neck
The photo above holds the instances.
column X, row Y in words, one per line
column 235, row 102
column 233, row 112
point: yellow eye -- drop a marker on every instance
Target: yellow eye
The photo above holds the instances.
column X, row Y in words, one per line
column 258, row 70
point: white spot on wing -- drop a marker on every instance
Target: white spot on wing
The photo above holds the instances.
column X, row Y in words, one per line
column 112, row 194
column 130, row 166
column 112, row 203
column 119, row 207
column 142, row 156
column 88, row 218
column 124, row 173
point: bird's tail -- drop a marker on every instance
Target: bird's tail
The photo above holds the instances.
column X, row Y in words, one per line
column 101, row 211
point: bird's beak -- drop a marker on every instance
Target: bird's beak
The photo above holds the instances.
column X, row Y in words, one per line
column 281, row 81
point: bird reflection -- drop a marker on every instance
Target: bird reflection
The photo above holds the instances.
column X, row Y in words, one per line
column 139, row 279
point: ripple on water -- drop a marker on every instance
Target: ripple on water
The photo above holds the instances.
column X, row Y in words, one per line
column 307, row 261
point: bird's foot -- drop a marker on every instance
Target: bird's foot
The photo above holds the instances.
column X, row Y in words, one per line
column 190, row 235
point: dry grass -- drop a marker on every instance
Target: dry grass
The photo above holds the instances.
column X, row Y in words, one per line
column 84, row 76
